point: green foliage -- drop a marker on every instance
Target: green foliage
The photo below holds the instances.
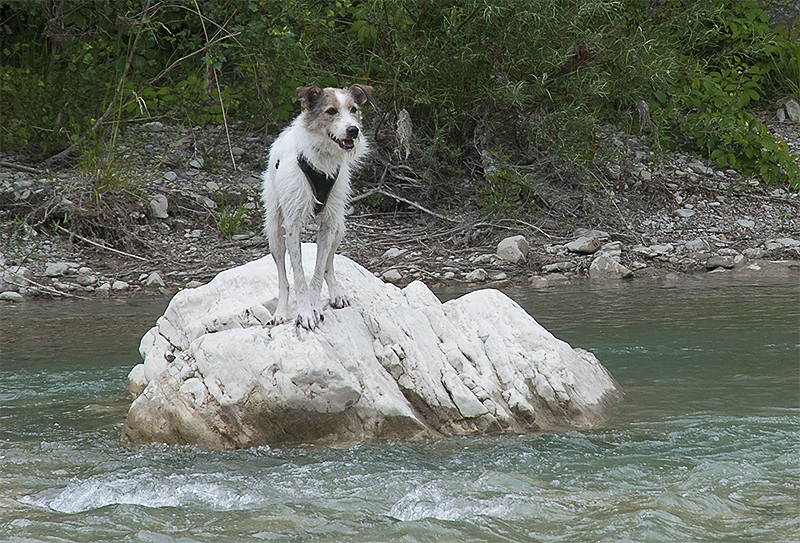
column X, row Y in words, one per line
column 231, row 218
column 541, row 75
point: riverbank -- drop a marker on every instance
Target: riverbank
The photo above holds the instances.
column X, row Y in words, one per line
column 175, row 212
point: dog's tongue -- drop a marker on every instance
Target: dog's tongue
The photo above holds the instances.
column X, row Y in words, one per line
column 347, row 143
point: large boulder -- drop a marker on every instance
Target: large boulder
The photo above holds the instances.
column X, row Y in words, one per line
column 396, row 364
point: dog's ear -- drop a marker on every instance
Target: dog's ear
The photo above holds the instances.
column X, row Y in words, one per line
column 308, row 96
column 362, row 94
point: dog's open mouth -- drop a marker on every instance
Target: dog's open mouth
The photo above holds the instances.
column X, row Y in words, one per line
column 345, row 143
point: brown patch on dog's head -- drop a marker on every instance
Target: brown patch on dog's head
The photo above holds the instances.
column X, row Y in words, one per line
column 309, row 96
column 361, row 94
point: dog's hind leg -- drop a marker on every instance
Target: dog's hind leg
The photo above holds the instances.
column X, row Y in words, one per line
column 337, row 297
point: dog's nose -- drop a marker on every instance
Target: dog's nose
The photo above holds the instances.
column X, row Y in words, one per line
column 352, row 132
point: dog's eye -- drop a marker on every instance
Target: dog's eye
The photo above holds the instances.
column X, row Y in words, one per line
column 332, row 111
column 354, row 110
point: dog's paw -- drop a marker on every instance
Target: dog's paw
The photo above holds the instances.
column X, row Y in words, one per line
column 309, row 319
column 276, row 320
column 340, row 301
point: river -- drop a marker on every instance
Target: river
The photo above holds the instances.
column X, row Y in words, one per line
column 705, row 446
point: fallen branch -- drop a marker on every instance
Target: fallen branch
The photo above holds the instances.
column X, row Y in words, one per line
column 400, row 199
column 45, row 288
column 20, row 167
column 100, row 245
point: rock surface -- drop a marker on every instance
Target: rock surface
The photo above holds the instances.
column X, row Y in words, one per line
column 397, row 364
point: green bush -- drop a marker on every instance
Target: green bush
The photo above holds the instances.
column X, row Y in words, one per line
column 532, row 77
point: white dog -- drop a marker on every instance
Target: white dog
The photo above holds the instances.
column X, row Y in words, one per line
column 308, row 174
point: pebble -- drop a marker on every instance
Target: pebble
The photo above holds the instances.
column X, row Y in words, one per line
column 11, row 296
column 584, row 245
column 392, row 276
column 477, row 276
column 393, row 252
column 154, row 280
column 513, row 249
column 745, row 223
column 684, row 213
column 119, row 286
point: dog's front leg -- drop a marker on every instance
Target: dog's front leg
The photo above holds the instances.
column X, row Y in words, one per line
column 307, row 316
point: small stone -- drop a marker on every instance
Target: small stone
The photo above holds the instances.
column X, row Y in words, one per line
column 645, row 175
column 159, row 206
column 154, row 126
column 119, row 286
column 717, row 261
column 513, row 249
column 499, row 276
column 697, row 245
column 539, row 282
column 477, row 276
column 780, row 115
column 154, row 280
column 793, row 110
column 103, row 290
column 85, row 279
column 196, row 163
column 237, row 151
column 58, row 269
column 584, row 245
column 393, row 252
column 448, row 275
column 559, row 267
column 170, row 176
column 11, row 296
column 392, row 276
column 612, row 249
column 745, row 223
column 605, row 267
column 684, row 213
column 194, row 284
column 662, row 250
column 212, row 186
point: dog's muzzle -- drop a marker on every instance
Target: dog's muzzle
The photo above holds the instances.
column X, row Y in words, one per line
column 347, row 143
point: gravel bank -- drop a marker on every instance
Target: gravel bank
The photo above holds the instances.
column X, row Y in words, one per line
column 661, row 213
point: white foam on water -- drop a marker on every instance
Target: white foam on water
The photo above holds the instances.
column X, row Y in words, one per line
column 144, row 488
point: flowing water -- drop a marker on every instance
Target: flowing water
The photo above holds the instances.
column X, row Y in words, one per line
column 705, row 447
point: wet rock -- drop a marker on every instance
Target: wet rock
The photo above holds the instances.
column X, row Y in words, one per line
column 513, row 249
column 605, row 267
column 397, row 364
column 558, row 267
column 85, row 279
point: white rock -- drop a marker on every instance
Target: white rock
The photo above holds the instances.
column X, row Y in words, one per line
column 57, row 269
column 14, row 278
column 684, row 213
column 513, row 249
column 746, row 223
column 396, row 364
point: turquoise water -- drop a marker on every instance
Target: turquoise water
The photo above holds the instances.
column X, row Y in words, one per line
column 705, row 447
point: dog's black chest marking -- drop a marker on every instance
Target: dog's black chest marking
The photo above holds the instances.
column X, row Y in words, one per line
column 321, row 183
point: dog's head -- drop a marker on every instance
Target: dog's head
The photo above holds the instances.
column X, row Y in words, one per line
column 335, row 113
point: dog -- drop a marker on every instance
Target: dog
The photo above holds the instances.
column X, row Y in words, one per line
column 308, row 175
